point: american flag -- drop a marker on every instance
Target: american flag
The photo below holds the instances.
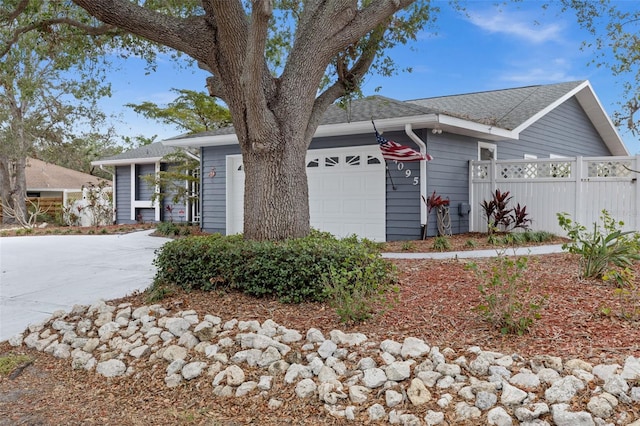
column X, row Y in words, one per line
column 394, row 151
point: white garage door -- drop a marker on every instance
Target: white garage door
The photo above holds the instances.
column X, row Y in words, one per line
column 346, row 192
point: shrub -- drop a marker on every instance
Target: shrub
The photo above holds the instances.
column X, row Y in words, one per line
column 293, row 271
column 173, row 229
column 508, row 304
column 357, row 294
column 602, row 250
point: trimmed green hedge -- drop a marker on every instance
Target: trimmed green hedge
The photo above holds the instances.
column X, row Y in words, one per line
column 293, row 271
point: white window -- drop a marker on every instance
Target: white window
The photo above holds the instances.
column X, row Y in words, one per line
column 487, row 151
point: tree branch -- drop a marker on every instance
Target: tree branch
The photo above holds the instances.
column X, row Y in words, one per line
column 11, row 15
column 255, row 73
column 88, row 29
column 191, row 35
column 347, row 80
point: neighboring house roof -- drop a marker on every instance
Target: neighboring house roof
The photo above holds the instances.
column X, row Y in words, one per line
column 42, row 176
column 151, row 153
column 492, row 115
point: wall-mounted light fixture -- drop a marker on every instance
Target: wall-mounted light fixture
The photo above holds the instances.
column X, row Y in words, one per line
column 436, row 131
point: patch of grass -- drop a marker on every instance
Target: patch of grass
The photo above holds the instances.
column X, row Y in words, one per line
column 9, row 362
column 408, row 246
column 471, row 243
column 441, row 243
column 158, row 291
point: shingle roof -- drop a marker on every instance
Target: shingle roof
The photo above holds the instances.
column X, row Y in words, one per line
column 376, row 107
column 496, row 115
column 154, row 150
column 42, row 175
column 507, row 108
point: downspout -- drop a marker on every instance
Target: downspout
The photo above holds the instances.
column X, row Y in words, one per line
column 189, row 207
column 113, row 193
column 423, row 171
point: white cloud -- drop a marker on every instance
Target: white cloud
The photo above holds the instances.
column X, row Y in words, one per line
column 554, row 71
column 521, row 25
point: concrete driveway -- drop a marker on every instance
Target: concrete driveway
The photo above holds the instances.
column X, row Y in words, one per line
column 41, row 274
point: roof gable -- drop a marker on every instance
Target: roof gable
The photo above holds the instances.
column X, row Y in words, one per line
column 506, row 108
column 146, row 153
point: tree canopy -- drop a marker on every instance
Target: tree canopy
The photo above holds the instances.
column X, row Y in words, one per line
column 191, row 111
column 276, row 64
column 41, row 103
column 616, row 28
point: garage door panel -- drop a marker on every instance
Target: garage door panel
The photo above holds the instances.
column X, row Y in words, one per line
column 346, row 192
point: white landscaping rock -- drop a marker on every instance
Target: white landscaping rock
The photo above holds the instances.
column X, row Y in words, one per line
column 563, row 417
column 376, row 412
column 374, row 378
column 193, row 369
column 306, row 388
column 414, row 348
column 111, row 368
column 511, row 395
column 563, row 390
column 631, row 369
column 418, row 393
column 358, row 394
column 498, row 416
column 235, row 375
column 393, row 398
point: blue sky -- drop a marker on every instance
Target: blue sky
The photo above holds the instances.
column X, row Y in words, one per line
column 489, row 48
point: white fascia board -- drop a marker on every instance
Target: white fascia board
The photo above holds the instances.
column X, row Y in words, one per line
column 591, row 105
column 447, row 123
column 126, row 161
column 459, row 126
column 201, row 141
column 601, row 121
column 53, row 190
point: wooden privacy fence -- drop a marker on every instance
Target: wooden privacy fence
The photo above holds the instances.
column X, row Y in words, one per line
column 580, row 186
column 51, row 205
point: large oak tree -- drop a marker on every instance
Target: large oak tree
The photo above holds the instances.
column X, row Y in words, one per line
column 278, row 65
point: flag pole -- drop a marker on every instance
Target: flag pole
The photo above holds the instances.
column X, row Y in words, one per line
column 386, row 165
column 393, row 185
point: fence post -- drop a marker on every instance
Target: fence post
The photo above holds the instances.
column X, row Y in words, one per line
column 471, row 198
column 579, row 169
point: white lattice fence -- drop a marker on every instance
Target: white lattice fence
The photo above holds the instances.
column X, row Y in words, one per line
column 580, row 186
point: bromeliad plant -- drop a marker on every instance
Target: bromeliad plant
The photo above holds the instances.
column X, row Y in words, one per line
column 435, row 201
column 501, row 217
column 605, row 250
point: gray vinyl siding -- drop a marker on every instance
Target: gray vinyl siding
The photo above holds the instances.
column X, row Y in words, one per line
column 144, row 191
column 147, row 215
column 213, row 205
column 447, row 175
column 167, row 200
column 565, row 131
column 123, row 194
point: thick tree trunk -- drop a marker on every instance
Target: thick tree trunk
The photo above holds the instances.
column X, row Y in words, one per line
column 13, row 189
column 276, row 202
